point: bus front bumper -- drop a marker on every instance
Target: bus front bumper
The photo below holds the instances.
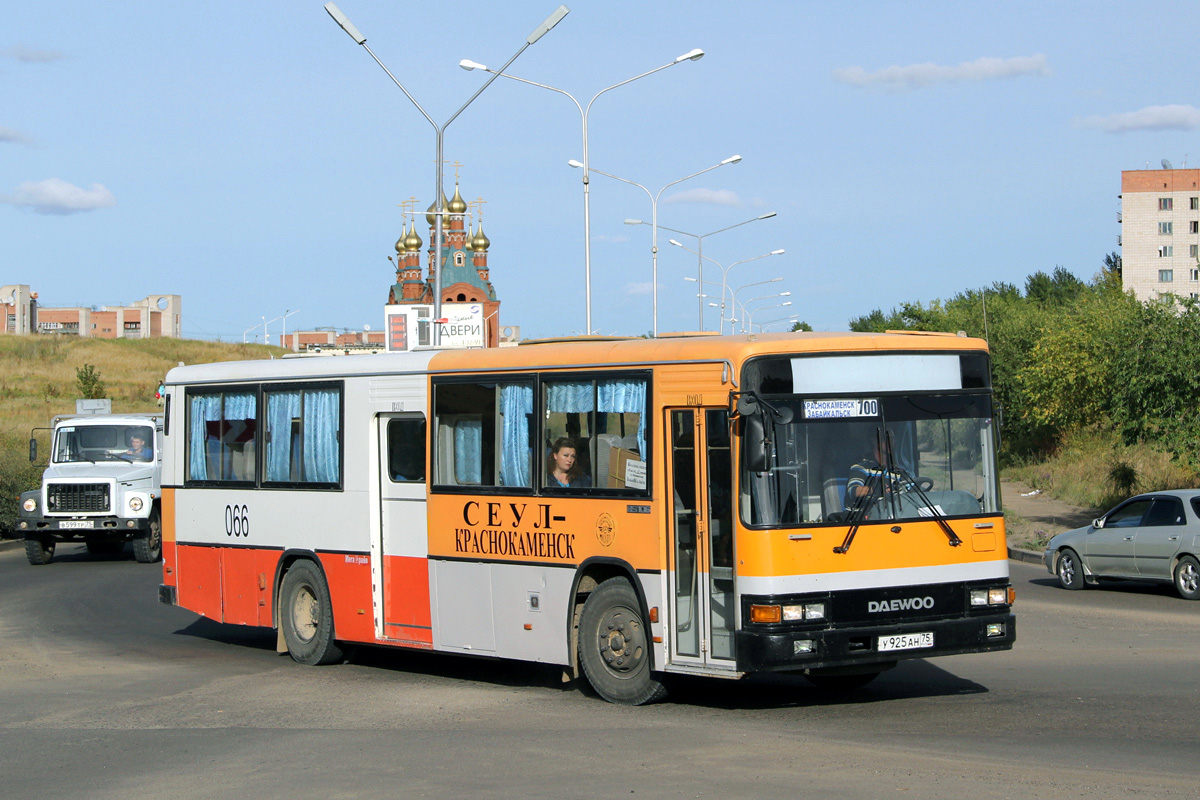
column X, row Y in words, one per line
column 792, row 650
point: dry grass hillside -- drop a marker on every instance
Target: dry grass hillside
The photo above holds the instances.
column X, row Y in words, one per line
column 38, row 379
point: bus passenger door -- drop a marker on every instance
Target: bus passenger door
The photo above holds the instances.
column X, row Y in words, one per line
column 703, row 605
column 404, row 543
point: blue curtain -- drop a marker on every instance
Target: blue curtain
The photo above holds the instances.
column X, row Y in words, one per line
column 516, row 406
column 468, row 451
column 573, row 397
column 626, row 397
column 204, row 409
column 322, row 453
column 282, row 408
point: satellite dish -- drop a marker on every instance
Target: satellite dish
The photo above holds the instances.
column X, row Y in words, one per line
column 1166, row 164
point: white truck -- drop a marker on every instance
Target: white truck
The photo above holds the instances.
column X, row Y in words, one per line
column 102, row 486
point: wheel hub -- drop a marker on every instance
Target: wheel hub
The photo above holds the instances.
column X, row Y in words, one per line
column 622, row 641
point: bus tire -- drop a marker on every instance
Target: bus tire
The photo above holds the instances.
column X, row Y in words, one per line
column 306, row 616
column 147, row 549
column 39, row 550
column 614, row 648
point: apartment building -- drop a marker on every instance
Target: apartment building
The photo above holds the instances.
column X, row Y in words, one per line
column 1160, row 232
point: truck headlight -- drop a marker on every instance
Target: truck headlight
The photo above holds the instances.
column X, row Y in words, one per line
column 135, row 504
column 30, row 504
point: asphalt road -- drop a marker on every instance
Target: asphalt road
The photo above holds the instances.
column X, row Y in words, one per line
column 106, row 694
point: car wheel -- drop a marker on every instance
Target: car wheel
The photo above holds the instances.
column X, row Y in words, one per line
column 1187, row 578
column 1070, row 570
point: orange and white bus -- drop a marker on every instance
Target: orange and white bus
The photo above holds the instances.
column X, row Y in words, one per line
column 819, row 504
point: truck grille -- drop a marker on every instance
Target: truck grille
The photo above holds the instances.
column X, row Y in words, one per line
column 77, row 498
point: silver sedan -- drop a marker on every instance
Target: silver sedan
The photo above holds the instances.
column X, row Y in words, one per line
column 1150, row 537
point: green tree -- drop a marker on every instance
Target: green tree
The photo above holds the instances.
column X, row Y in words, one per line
column 802, row 326
column 87, row 378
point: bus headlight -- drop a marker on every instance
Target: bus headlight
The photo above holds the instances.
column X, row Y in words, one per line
column 993, row 596
column 30, row 504
column 805, row 611
column 135, row 504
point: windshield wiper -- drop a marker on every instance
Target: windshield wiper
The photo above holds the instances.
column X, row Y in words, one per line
column 934, row 511
column 859, row 511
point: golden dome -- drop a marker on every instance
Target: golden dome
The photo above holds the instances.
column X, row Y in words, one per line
column 430, row 217
column 457, row 205
column 400, row 243
column 412, row 242
column 480, row 243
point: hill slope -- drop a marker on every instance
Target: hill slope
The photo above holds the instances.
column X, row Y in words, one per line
column 38, row 380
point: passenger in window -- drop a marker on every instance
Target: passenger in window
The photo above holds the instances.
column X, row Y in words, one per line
column 563, row 469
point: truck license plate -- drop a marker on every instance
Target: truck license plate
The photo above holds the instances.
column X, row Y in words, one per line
column 905, row 641
column 68, row 524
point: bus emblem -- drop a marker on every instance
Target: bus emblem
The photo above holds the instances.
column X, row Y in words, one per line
column 606, row 529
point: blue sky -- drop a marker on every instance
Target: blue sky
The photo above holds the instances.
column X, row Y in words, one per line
column 251, row 158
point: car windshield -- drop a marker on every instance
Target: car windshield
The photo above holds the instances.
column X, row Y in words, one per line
column 871, row 458
column 93, row 443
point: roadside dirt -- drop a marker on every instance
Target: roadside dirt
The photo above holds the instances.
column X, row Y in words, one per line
column 1032, row 518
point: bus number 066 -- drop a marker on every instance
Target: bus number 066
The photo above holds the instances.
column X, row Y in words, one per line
column 237, row 521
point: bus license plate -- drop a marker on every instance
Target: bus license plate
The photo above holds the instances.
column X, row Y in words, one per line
column 905, row 641
column 68, row 524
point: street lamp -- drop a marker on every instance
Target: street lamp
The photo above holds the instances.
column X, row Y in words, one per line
column 749, row 326
column 440, row 133
column 746, row 311
column 725, row 273
column 762, row 326
column 654, row 218
column 700, row 237
column 691, row 55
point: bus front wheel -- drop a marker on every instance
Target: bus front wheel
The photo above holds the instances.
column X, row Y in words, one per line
column 614, row 648
column 306, row 616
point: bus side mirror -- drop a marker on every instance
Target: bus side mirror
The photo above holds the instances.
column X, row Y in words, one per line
column 32, row 450
column 754, row 443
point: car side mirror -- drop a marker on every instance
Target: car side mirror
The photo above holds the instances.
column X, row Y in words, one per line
column 1098, row 522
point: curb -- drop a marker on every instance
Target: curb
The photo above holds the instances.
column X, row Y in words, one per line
column 6, row 543
column 1029, row 556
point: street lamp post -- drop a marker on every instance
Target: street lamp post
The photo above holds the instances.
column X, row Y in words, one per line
column 749, row 328
column 744, row 305
column 725, row 273
column 440, row 133
column 654, row 198
column 700, row 237
column 692, row 55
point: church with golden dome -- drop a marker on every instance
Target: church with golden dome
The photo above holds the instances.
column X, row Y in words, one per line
column 464, row 259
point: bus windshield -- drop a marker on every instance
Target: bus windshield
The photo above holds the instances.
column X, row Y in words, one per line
column 862, row 458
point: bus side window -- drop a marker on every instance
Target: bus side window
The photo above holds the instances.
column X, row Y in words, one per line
column 482, row 433
column 406, row 450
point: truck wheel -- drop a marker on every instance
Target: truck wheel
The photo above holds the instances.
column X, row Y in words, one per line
column 39, row 550
column 306, row 616
column 147, row 549
column 614, row 647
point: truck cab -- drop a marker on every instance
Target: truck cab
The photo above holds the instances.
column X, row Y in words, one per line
column 102, row 486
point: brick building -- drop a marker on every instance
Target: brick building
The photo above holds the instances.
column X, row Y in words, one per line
column 1160, row 232
column 155, row 316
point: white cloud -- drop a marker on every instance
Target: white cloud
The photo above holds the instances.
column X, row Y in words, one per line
column 1150, row 118
column 717, row 197
column 918, row 76
column 10, row 135
column 32, row 56
column 638, row 289
column 56, row 196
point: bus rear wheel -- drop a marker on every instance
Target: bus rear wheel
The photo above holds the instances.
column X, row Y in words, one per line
column 306, row 616
column 614, row 649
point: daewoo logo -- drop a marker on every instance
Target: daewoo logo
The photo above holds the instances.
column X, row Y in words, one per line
column 907, row 604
